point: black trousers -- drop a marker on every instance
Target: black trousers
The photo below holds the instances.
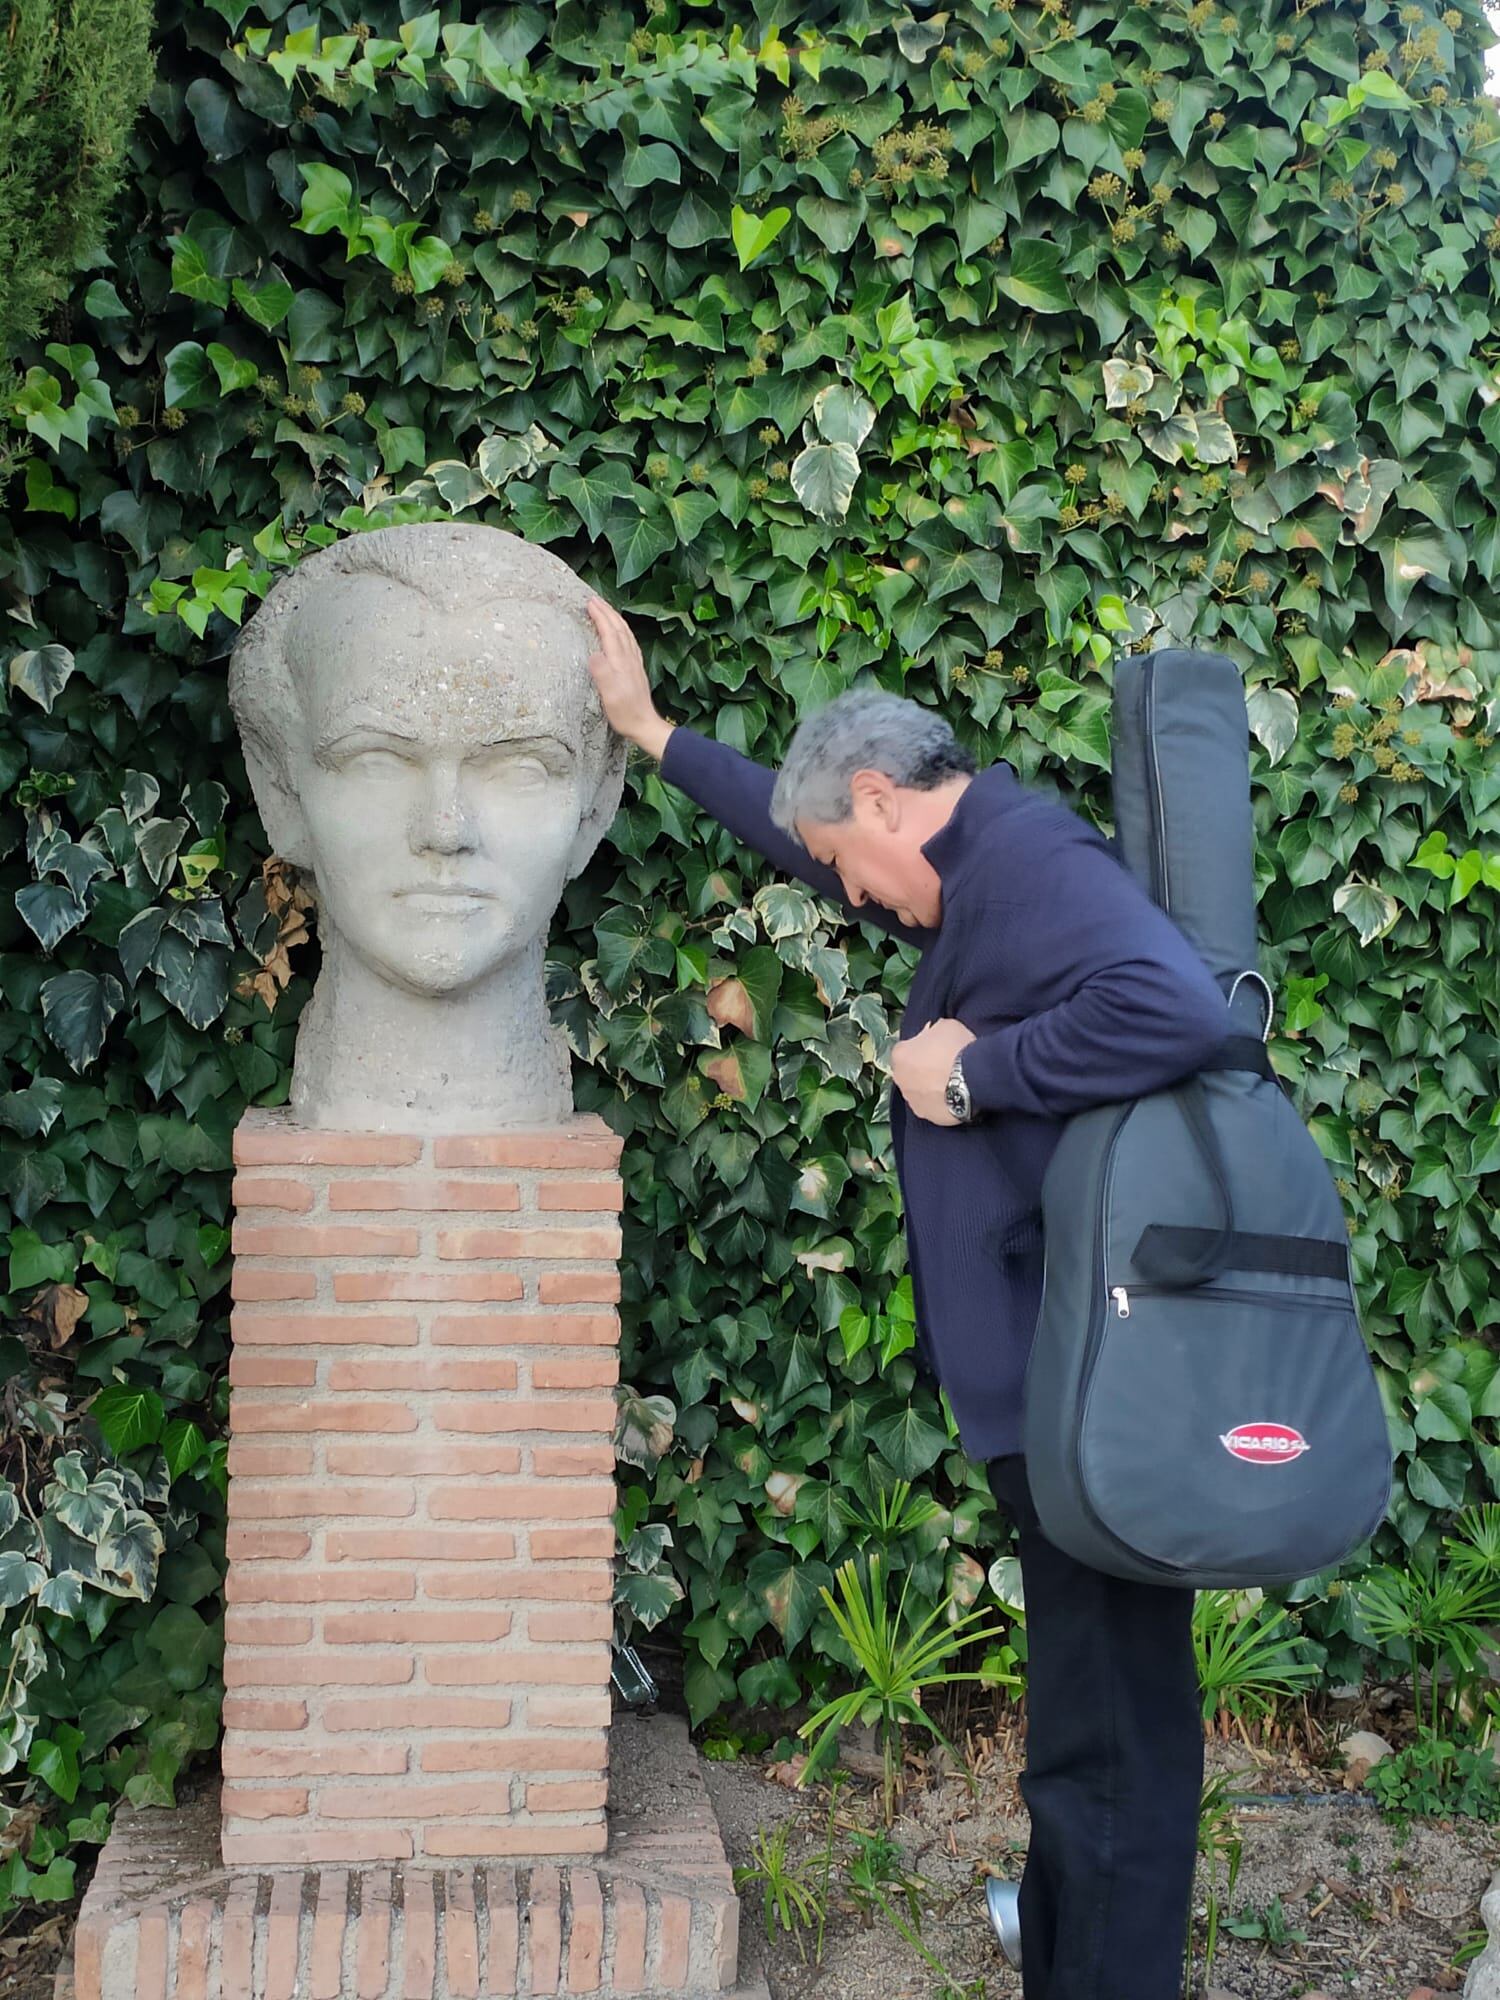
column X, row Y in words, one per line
column 1114, row 1772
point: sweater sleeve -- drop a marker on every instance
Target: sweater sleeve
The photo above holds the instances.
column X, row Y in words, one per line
column 1116, row 1003
column 737, row 792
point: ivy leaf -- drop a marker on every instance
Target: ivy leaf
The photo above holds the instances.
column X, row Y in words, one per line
column 1370, row 909
column 157, row 842
column 42, row 673
column 102, row 302
column 233, row 372
column 56, row 1764
column 1124, row 381
column 192, row 277
column 267, row 305
column 33, row 1111
column 843, row 415
column 191, row 380
column 649, row 1598
column 328, row 202
column 626, row 947
column 20, row 1578
column 917, row 39
column 823, row 479
column 51, row 910
column 747, row 999
column 1273, row 719
column 754, row 234
column 1035, row 278
column 183, row 1445
column 188, row 1646
column 742, row 1073
column 128, row 1417
column 139, row 792
column 427, row 260
column 194, row 978
column 459, row 485
column 640, row 539
column 592, row 489
column 77, row 1008
column 907, row 1442
column 1213, row 441
column 644, row 1427
column 790, row 1590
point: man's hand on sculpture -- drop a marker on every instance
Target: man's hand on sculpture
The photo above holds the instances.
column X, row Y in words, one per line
column 920, row 1068
column 620, row 675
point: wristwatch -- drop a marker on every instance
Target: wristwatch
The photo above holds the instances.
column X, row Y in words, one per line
column 956, row 1093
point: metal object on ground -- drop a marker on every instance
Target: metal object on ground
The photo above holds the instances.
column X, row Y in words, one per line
column 1003, row 1900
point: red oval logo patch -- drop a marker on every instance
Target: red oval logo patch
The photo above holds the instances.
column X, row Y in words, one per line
column 1264, row 1444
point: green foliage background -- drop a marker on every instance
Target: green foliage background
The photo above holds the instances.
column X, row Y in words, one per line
column 73, row 77
column 1139, row 326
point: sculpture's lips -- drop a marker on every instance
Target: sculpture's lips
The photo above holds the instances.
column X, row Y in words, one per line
column 449, row 900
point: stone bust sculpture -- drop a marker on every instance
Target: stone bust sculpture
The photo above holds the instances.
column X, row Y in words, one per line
column 426, row 744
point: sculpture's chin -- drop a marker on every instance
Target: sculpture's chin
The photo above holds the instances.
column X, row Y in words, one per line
column 438, row 964
column 440, row 980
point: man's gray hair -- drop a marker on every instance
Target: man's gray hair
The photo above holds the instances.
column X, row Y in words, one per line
column 864, row 730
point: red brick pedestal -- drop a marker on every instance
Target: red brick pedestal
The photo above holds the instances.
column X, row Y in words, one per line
column 421, row 1494
column 416, row 1757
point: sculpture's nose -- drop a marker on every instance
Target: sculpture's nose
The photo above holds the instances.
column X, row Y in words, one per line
column 441, row 822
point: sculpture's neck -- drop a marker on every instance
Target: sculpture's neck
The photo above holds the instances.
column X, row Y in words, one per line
column 372, row 1057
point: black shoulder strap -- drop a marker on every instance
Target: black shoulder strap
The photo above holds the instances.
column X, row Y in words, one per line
column 1174, row 1262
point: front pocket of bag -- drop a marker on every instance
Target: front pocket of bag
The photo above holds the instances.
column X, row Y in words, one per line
column 1223, row 1427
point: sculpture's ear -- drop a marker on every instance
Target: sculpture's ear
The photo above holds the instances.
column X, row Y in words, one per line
column 280, row 810
column 599, row 813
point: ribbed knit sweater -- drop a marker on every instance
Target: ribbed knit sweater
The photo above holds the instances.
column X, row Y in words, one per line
column 1079, row 991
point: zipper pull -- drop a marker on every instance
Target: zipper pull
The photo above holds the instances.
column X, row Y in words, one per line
column 1122, row 1301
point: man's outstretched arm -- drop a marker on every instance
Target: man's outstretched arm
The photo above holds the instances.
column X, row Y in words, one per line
column 735, row 789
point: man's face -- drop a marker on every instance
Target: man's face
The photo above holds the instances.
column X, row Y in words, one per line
column 878, row 856
column 441, row 781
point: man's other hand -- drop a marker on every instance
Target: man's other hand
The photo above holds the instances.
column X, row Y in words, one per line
column 921, row 1067
column 620, row 675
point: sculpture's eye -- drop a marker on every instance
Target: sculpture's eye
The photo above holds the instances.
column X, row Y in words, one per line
column 373, row 764
column 518, row 771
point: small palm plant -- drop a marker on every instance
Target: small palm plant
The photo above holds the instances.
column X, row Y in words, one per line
column 896, row 1665
column 1438, row 1611
column 1248, row 1656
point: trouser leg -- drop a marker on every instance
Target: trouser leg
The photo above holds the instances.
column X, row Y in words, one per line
column 1114, row 1772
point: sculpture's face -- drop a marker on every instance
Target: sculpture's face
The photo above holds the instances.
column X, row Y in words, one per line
column 439, row 779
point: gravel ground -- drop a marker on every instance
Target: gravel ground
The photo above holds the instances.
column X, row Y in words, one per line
column 1381, row 1918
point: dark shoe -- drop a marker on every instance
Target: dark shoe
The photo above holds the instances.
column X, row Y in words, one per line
column 1003, row 1900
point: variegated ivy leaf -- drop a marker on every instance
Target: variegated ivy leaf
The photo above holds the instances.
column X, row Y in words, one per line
column 1273, row 719
column 843, row 415
column 644, row 1427
column 1124, row 381
column 823, row 477
column 1370, row 909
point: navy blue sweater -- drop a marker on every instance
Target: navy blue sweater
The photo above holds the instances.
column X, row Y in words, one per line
column 1080, row 991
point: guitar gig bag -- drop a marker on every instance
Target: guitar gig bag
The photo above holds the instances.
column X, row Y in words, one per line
column 1201, row 1409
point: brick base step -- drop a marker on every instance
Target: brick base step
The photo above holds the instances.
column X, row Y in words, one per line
column 656, row 1916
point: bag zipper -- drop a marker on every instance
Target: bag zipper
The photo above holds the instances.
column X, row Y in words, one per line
column 1097, row 1317
column 1124, row 1294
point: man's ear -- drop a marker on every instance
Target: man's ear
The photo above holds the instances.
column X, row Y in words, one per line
column 280, row 810
column 876, row 792
column 599, row 812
